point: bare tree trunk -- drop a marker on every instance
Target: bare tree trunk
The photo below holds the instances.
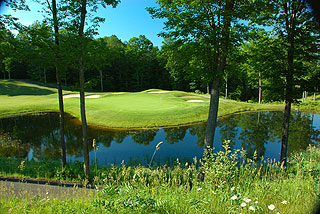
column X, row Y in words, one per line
column 101, row 83
column 260, row 90
column 208, row 89
column 83, row 119
column 61, row 119
column 45, row 75
column 86, row 167
column 226, row 89
column 288, row 100
column 306, row 96
column 59, row 84
column 213, row 113
column 314, row 94
column 9, row 74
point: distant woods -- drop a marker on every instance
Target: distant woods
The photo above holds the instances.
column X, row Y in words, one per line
column 252, row 71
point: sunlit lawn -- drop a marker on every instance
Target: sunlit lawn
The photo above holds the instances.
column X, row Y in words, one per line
column 126, row 110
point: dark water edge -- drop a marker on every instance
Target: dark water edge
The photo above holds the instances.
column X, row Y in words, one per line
column 37, row 137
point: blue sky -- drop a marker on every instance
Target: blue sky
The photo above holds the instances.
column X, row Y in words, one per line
column 129, row 19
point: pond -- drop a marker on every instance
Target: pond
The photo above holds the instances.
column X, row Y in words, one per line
column 37, row 137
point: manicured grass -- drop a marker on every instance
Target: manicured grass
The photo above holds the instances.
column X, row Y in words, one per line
column 126, row 110
column 228, row 187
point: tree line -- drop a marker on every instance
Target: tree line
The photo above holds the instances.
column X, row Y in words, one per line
column 252, row 73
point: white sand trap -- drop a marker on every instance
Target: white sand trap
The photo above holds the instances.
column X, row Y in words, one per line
column 157, row 92
column 93, row 96
column 78, row 95
column 71, row 95
column 195, row 101
column 189, row 97
column 117, row 93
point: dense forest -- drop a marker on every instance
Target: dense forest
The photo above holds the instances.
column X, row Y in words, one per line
column 135, row 65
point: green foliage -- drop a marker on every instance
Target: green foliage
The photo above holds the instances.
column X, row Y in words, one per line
column 227, row 185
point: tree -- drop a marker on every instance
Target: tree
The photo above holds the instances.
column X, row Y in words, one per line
column 77, row 14
column 214, row 23
column 54, row 11
column 293, row 22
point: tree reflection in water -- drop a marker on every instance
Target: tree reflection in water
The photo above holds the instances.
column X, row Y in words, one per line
column 39, row 135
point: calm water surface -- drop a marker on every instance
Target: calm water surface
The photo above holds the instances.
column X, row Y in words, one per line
column 37, row 137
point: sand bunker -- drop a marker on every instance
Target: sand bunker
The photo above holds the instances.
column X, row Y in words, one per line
column 195, row 101
column 189, row 97
column 71, row 95
column 78, row 95
column 157, row 92
column 93, row 96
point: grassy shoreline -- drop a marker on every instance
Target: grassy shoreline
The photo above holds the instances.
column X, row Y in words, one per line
column 152, row 108
column 227, row 188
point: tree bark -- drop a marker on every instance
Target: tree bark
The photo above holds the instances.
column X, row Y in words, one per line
column 59, row 84
column 83, row 118
column 226, row 88
column 101, row 83
column 260, row 90
column 213, row 113
column 82, row 98
column 288, row 101
column 45, row 75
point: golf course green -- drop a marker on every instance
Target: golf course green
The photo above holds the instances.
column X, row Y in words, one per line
column 147, row 109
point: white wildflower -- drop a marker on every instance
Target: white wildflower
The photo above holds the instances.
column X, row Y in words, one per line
column 234, row 197
column 243, row 204
column 252, row 208
column 247, row 200
column 271, row 207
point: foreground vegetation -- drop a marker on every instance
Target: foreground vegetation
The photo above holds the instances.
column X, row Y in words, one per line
column 227, row 187
column 125, row 110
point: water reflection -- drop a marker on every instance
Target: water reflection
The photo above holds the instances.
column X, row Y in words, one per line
column 37, row 136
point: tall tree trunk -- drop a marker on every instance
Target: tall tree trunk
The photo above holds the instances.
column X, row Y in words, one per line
column 101, row 83
column 226, row 88
column 45, row 75
column 314, row 94
column 83, row 119
column 9, row 74
column 260, row 90
column 59, row 84
column 61, row 119
column 288, row 101
column 82, row 98
column 213, row 113
column 306, row 96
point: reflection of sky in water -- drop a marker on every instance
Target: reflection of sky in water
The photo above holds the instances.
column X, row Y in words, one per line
column 185, row 149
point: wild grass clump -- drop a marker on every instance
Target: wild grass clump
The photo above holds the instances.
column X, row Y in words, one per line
column 227, row 186
column 225, row 182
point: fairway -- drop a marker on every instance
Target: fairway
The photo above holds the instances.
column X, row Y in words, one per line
column 146, row 109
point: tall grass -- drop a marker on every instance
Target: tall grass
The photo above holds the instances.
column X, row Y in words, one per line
column 227, row 185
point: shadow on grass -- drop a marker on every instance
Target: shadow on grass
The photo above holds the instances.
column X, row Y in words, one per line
column 13, row 88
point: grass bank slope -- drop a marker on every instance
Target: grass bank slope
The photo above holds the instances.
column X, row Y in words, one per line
column 146, row 109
